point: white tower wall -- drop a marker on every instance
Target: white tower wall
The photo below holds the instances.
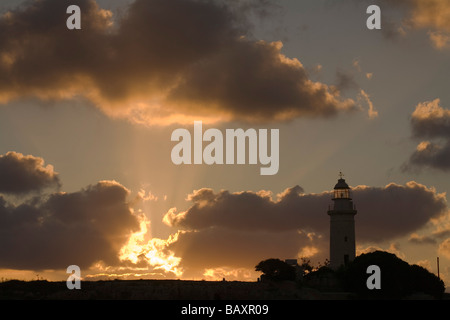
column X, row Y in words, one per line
column 342, row 227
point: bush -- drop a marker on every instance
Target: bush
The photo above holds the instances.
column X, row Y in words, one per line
column 276, row 270
column 398, row 278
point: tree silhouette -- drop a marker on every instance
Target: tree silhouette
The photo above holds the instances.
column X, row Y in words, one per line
column 306, row 266
column 398, row 278
column 275, row 269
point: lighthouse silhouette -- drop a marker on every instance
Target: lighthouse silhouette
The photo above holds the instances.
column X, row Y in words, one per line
column 342, row 225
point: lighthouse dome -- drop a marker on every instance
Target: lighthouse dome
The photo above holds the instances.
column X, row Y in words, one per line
column 341, row 184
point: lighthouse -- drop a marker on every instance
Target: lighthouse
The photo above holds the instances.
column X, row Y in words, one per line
column 342, row 225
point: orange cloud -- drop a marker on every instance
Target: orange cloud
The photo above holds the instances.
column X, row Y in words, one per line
column 439, row 40
column 371, row 111
column 431, row 15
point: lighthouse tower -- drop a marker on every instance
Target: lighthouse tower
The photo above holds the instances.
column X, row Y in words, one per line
column 342, row 225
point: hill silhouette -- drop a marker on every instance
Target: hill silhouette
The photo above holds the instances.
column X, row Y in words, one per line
column 398, row 279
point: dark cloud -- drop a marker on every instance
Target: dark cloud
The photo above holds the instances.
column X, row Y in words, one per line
column 162, row 61
column 21, row 174
column 396, row 210
column 345, row 80
column 95, row 228
column 383, row 213
column 66, row 228
column 252, row 80
column 430, row 121
column 391, row 30
column 431, row 155
column 253, row 211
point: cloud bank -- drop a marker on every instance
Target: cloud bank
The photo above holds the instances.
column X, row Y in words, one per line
column 97, row 228
column 67, row 228
column 221, row 233
column 384, row 212
column 225, row 230
column 160, row 62
column 430, row 121
column 48, row 229
column 21, row 174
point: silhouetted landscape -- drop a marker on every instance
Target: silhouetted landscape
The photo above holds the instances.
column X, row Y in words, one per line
column 278, row 282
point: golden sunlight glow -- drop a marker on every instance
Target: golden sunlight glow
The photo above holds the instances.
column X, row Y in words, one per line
column 147, row 196
column 231, row 274
column 422, row 146
column 153, row 109
column 154, row 252
column 308, row 252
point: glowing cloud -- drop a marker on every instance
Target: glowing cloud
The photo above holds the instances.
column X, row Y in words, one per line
column 154, row 252
column 371, row 112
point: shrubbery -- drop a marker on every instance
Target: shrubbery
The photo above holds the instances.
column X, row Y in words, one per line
column 398, row 278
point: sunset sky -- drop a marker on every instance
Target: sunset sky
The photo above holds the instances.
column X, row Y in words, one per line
column 86, row 118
